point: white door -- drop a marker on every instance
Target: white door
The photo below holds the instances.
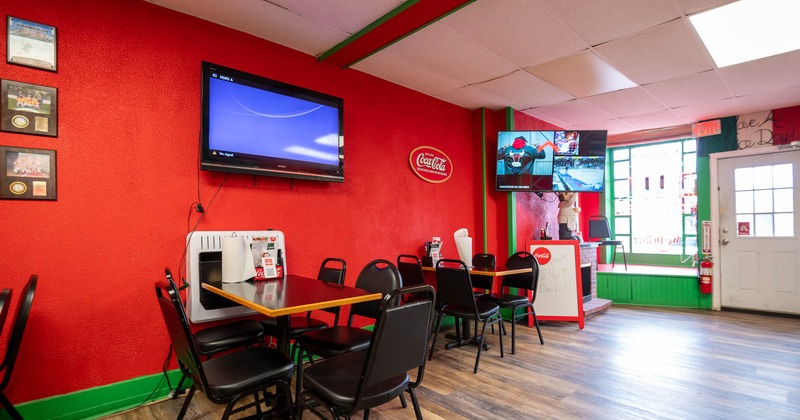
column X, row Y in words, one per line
column 759, row 242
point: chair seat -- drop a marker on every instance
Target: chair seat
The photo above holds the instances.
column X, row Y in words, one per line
column 336, row 340
column 297, row 326
column 615, row 243
column 228, row 336
column 485, row 310
column 337, row 379
column 505, row 300
column 233, row 373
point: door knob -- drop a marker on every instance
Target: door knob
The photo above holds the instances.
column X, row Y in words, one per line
column 724, row 230
column 725, row 242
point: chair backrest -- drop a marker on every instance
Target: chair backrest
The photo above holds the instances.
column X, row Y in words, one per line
column 400, row 339
column 483, row 260
column 599, row 228
column 527, row 281
column 20, row 320
column 378, row 276
column 410, row 268
column 454, row 285
column 332, row 270
column 5, row 304
column 180, row 333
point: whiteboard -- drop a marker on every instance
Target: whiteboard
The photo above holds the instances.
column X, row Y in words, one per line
column 559, row 297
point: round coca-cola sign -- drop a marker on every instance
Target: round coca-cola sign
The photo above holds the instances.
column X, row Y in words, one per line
column 542, row 255
column 430, row 164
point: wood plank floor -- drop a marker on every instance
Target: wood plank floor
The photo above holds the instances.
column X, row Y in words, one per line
column 628, row 363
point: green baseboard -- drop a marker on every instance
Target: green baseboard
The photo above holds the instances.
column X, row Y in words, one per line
column 100, row 401
column 652, row 290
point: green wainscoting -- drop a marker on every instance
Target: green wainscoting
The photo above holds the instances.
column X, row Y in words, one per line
column 651, row 290
column 99, row 401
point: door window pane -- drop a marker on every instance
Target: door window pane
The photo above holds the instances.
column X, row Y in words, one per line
column 744, row 202
column 784, row 200
column 784, row 224
column 762, row 201
column 763, row 225
column 762, row 177
column 782, row 176
column 743, row 179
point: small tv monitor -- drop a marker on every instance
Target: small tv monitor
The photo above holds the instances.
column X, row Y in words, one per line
column 259, row 126
column 551, row 160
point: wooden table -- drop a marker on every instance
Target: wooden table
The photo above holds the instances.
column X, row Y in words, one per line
column 280, row 298
column 487, row 271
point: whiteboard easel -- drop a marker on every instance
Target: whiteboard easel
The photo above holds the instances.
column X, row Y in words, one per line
column 559, row 297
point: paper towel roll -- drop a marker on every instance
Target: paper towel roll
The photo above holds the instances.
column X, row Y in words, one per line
column 464, row 247
column 236, row 259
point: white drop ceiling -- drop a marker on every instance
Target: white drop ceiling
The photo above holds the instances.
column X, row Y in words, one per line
column 547, row 58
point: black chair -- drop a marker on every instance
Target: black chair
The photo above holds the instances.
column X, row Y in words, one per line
column 599, row 229
column 20, row 320
column 219, row 338
column 229, row 377
column 525, row 282
column 362, row 380
column 5, row 305
column 332, row 270
column 378, row 276
column 455, row 288
column 484, row 283
column 410, row 268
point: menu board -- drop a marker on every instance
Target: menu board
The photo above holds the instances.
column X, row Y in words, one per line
column 559, row 297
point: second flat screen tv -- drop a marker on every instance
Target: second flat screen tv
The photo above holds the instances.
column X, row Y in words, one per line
column 550, row 160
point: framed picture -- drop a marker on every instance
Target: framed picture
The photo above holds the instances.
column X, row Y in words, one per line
column 29, row 109
column 28, row 174
column 31, row 44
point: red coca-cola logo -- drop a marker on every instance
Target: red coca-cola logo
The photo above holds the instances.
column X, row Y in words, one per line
column 542, row 255
column 430, row 164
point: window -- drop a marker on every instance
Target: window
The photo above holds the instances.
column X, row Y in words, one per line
column 655, row 197
column 764, row 200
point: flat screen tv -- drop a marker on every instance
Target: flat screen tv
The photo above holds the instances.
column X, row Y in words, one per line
column 254, row 125
column 568, row 160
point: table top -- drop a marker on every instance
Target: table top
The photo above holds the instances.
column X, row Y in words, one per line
column 498, row 271
column 292, row 294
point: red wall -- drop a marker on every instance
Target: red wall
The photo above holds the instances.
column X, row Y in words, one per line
column 129, row 89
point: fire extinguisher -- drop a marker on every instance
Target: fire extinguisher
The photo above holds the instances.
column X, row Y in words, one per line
column 706, row 267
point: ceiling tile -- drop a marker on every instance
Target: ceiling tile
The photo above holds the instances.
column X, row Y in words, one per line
column 766, row 74
column 600, row 21
column 659, row 119
column 349, row 16
column 583, row 74
column 471, row 97
column 690, row 89
column 626, row 102
column 525, row 89
column 397, row 70
column 447, row 52
column 708, row 110
column 666, row 52
column 612, row 126
column 520, row 31
column 574, row 112
column 690, row 7
column 264, row 20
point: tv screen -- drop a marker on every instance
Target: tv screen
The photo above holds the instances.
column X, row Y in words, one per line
column 259, row 126
column 568, row 160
